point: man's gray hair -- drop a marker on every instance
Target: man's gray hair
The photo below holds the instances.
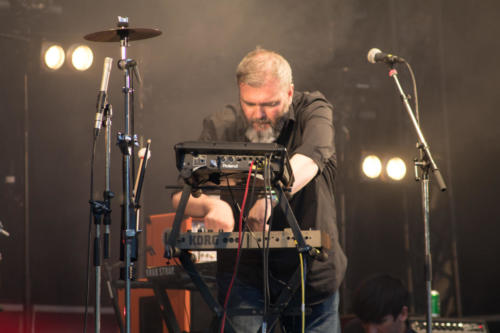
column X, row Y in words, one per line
column 260, row 65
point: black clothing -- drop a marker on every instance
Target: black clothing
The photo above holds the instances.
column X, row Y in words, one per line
column 353, row 326
column 308, row 130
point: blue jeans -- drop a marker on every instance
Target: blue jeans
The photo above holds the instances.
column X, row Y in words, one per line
column 324, row 317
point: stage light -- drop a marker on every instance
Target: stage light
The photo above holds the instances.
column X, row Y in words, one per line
column 81, row 57
column 54, row 57
column 396, row 168
column 372, row 167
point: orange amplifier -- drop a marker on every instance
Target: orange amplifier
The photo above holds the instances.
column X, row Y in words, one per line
column 141, row 297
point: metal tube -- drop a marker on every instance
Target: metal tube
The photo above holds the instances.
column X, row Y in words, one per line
column 428, row 256
column 126, row 186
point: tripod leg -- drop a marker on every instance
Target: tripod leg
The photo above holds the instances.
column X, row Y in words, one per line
column 179, row 214
column 167, row 311
column 116, row 307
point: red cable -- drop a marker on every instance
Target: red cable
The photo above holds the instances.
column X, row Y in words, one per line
column 240, row 223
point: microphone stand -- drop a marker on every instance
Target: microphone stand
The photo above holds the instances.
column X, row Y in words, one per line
column 425, row 162
column 108, row 195
column 100, row 208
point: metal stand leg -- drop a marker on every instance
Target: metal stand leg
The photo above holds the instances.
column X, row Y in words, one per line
column 167, row 311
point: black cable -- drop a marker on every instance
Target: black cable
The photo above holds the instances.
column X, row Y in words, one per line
column 240, row 228
column 252, row 193
column 87, row 276
column 238, row 257
column 267, row 194
column 415, row 93
column 233, row 199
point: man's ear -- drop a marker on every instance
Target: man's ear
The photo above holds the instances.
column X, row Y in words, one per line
column 290, row 91
column 403, row 315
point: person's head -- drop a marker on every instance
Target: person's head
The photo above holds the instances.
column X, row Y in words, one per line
column 266, row 89
column 381, row 303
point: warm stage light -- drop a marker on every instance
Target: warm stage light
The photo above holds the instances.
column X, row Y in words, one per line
column 81, row 57
column 54, row 57
column 396, row 168
column 372, row 167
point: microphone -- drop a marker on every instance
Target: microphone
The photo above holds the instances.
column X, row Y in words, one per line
column 102, row 95
column 375, row 55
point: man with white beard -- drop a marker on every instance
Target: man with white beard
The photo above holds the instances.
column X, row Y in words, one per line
column 270, row 111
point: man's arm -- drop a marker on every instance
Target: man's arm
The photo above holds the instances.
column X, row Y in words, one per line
column 307, row 162
column 217, row 214
column 304, row 170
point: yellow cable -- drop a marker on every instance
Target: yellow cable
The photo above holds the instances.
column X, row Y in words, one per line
column 303, row 293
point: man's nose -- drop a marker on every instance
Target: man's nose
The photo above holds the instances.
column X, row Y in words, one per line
column 261, row 113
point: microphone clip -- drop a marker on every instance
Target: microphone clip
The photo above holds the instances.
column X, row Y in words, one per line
column 102, row 116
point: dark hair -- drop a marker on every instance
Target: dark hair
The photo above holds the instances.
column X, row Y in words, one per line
column 379, row 296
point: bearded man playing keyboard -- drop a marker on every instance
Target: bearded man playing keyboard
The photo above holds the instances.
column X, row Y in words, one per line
column 271, row 111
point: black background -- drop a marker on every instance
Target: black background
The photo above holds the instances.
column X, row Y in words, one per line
column 189, row 72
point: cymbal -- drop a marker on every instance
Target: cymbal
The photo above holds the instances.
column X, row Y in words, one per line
column 115, row 35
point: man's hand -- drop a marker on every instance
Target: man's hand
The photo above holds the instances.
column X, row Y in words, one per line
column 216, row 213
column 258, row 216
column 219, row 215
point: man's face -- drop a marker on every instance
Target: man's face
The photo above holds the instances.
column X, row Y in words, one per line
column 389, row 324
column 264, row 105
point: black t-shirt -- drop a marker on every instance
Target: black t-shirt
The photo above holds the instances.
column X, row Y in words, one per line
column 308, row 130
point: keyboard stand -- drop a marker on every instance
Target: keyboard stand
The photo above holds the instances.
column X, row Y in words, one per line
column 286, row 294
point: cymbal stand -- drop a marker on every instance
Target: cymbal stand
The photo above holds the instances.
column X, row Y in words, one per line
column 126, row 141
column 425, row 162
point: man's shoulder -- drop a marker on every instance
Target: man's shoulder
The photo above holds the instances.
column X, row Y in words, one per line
column 309, row 96
column 303, row 99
